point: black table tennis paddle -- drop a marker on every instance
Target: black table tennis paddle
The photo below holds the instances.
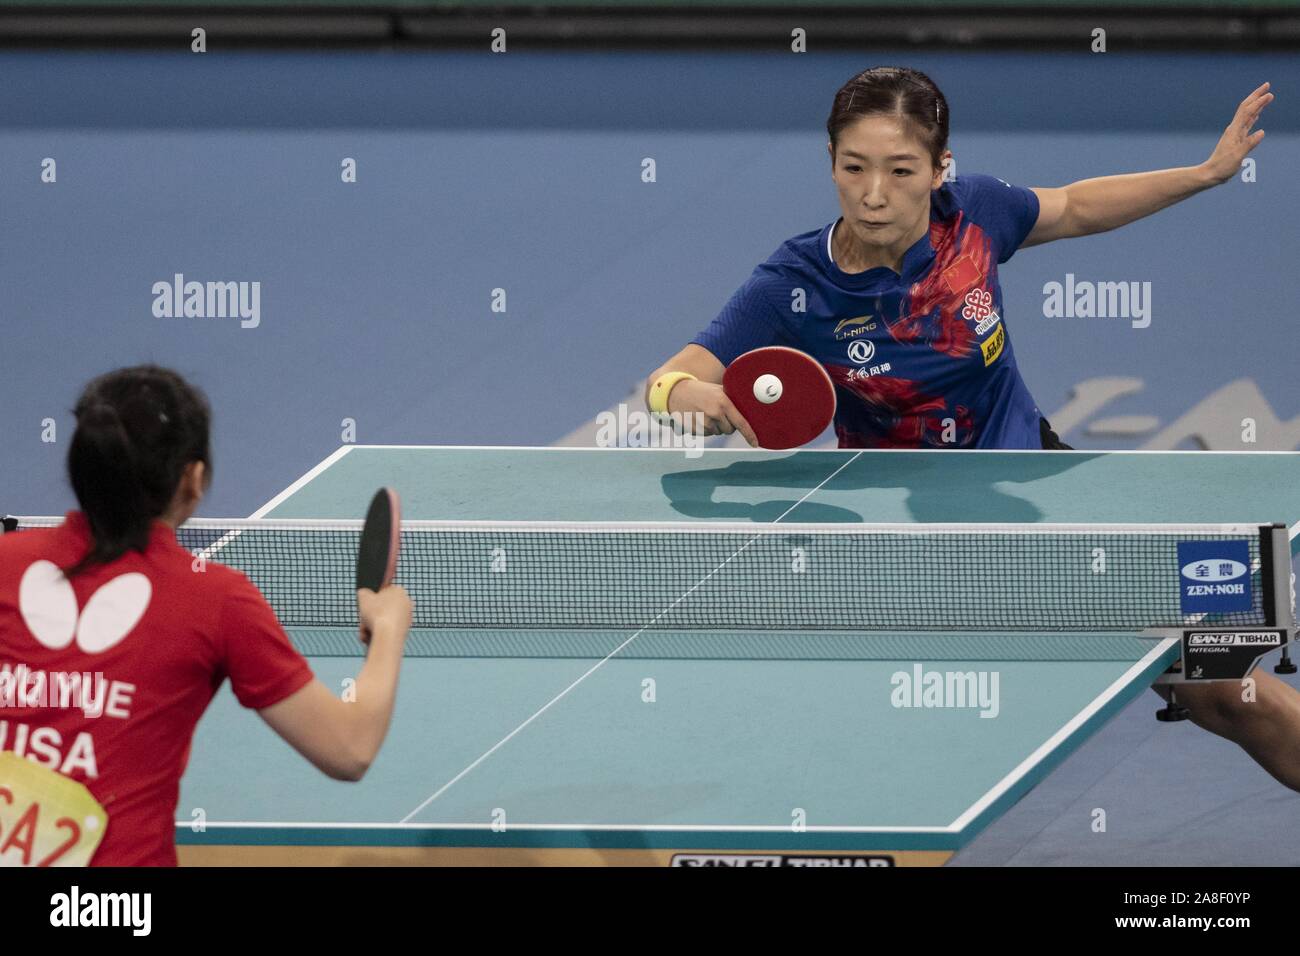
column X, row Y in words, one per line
column 381, row 539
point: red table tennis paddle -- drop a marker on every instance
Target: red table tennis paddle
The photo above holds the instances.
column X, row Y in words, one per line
column 784, row 394
column 381, row 538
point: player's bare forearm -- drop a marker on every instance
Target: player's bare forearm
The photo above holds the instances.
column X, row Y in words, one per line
column 1108, row 202
column 339, row 737
column 371, row 710
column 1096, row 205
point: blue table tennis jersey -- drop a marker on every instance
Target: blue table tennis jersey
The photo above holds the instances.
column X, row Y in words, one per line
column 919, row 360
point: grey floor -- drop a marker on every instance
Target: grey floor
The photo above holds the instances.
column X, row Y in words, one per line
column 1171, row 795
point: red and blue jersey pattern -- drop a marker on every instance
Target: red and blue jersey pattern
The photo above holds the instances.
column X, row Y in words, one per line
column 920, row 358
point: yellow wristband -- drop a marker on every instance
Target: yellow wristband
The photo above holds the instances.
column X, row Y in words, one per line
column 662, row 386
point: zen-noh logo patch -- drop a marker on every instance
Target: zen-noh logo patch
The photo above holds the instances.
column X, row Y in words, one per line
column 1214, row 576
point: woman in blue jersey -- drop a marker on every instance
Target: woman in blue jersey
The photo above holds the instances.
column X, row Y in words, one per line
column 899, row 300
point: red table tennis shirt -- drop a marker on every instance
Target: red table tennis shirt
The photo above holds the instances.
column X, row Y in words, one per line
column 156, row 633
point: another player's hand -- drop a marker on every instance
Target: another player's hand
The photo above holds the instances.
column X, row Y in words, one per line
column 692, row 397
column 389, row 611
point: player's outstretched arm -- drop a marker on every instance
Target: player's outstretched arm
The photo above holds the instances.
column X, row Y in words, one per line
column 342, row 737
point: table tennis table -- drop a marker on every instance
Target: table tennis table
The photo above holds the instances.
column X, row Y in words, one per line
column 726, row 747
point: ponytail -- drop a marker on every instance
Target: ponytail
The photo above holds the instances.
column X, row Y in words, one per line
column 137, row 430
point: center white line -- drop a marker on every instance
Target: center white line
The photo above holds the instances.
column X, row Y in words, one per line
column 598, row 665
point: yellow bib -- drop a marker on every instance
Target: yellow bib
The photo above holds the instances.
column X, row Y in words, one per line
column 46, row 819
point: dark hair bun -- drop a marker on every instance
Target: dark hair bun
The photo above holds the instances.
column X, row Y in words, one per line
column 137, row 430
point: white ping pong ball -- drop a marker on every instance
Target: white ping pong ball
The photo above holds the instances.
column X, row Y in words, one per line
column 767, row 389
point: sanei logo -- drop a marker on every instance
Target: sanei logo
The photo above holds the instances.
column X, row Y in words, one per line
column 1213, row 570
column 776, row 859
column 1235, row 638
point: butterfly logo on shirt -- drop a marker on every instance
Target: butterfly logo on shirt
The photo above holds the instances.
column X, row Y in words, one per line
column 49, row 609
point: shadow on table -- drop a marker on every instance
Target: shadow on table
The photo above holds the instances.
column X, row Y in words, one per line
column 940, row 486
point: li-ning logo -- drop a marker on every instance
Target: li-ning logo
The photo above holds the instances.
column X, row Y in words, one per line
column 48, row 607
column 852, row 328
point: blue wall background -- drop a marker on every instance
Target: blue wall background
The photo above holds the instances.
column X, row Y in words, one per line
column 523, row 172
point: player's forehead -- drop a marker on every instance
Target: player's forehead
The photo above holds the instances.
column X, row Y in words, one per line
column 882, row 139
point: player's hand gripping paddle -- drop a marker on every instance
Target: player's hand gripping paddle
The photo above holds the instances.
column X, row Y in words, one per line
column 785, row 395
column 381, row 538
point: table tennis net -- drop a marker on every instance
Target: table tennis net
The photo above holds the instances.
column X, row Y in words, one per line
column 738, row 576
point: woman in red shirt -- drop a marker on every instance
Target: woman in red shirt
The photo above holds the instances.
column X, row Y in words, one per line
column 111, row 597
